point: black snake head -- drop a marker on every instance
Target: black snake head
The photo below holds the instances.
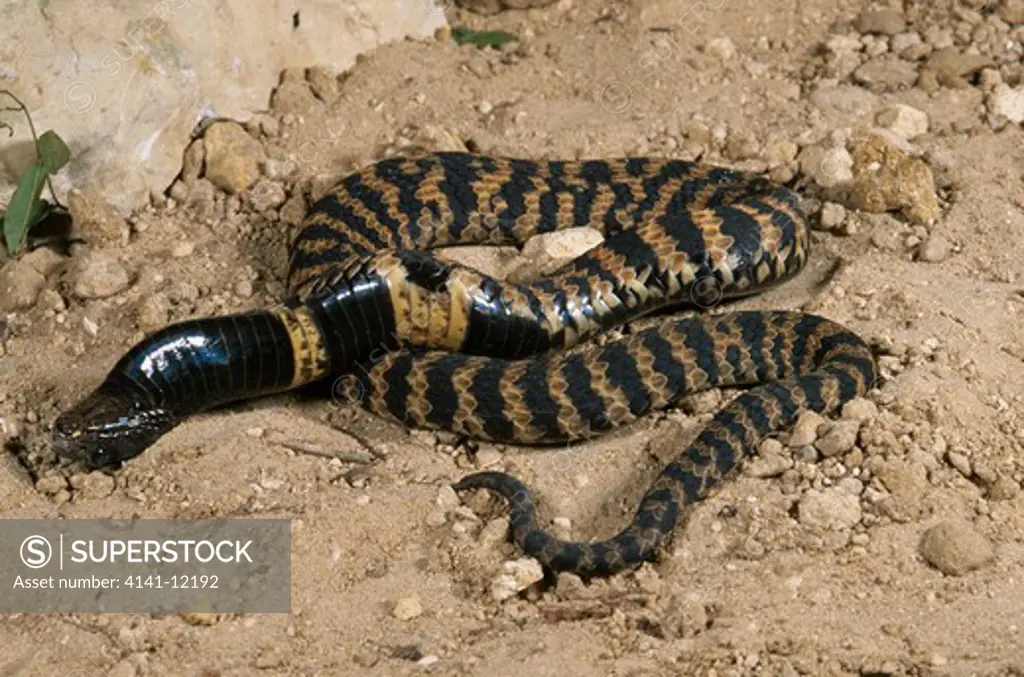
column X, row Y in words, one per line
column 107, row 428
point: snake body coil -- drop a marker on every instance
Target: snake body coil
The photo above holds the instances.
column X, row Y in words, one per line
column 434, row 344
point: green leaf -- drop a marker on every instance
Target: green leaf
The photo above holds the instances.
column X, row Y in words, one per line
column 463, row 35
column 24, row 211
column 53, row 152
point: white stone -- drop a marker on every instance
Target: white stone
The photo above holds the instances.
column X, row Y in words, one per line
column 1007, row 102
column 124, row 84
column 903, row 120
column 518, row 575
column 831, row 509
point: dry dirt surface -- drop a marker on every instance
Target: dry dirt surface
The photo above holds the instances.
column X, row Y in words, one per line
column 888, row 540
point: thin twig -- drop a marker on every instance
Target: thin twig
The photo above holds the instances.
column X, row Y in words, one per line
column 317, row 450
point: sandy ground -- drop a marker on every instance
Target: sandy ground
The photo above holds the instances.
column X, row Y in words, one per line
column 899, row 551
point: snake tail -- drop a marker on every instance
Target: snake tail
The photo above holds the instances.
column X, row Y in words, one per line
column 187, row 368
column 801, row 362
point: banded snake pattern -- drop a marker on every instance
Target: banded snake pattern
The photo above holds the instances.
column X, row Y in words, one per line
column 433, row 344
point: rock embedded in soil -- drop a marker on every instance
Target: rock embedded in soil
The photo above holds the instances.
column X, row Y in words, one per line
column 887, row 179
column 828, row 167
column 96, row 221
column 234, row 159
column 20, row 285
column 407, row 608
column 904, row 121
column 805, row 430
column 832, row 509
column 771, row 460
column 97, row 274
column 859, row 409
column 1007, row 102
column 1003, row 489
column 192, row 164
column 545, row 253
column 518, row 576
column 934, row 249
column 153, row 312
column 44, row 260
column 1012, row 11
column 955, row 547
column 948, row 67
column 722, row 48
column 832, row 215
column 886, row 73
column 838, row 439
column 266, row 195
column 883, row 21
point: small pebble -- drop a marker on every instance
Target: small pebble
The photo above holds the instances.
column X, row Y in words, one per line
column 182, row 249
column 839, row 438
column 961, row 462
column 494, row 532
column 722, row 48
column 153, row 312
column 955, row 547
column 828, row 167
column 90, row 326
column 832, row 215
column 488, row 457
column 1007, row 102
column 831, row 509
column 771, row 460
column 447, row 498
column 436, row 518
column 904, row 121
column 97, row 274
column 805, row 430
column 266, row 195
column 882, row 21
column 243, row 289
column 1003, row 489
column 518, row 575
column 859, row 409
column 407, row 608
column 20, row 285
column 427, row 660
column 934, row 249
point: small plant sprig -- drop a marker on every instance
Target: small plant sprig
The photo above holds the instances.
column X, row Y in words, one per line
column 463, row 35
column 27, row 208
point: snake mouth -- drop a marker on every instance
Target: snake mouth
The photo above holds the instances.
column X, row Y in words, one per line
column 106, row 428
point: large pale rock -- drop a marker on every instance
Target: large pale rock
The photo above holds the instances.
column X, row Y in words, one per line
column 125, row 83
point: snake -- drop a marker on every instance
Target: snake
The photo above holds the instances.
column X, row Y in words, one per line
column 426, row 342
